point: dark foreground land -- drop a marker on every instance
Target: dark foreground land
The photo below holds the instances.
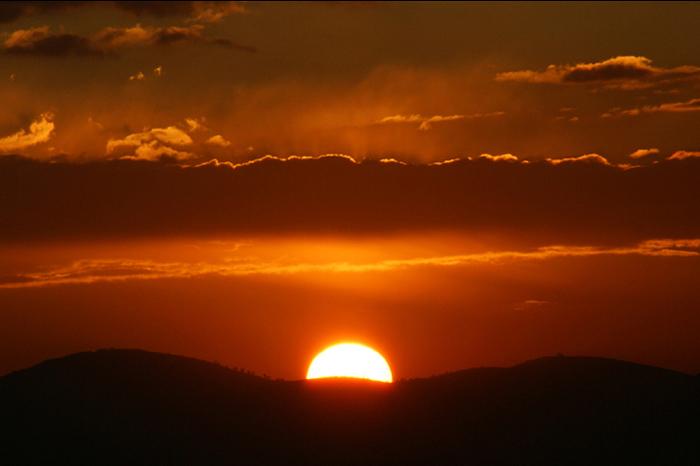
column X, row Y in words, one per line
column 132, row 407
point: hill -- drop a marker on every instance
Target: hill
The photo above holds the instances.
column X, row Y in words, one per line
column 135, row 407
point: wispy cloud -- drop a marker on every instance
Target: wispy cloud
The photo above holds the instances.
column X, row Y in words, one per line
column 692, row 105
column 627, row 72
column 205, row 12
column 684, row 154
column 115, row 270
column 427, row 122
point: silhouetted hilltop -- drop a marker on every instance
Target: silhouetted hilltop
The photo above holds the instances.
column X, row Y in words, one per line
column 136, row 407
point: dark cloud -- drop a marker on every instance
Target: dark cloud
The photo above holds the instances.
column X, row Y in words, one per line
column 157, row 9
column 622, row 72
column 11, row 11
column 40, row 41
column 609, row 70
column 206, row 12
column 568, row 201
column 226, row 43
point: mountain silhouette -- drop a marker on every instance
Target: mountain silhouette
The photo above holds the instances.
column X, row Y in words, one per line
column 131, row 407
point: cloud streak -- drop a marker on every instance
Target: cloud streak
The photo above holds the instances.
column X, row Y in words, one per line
column 684, row 154
column 90, row 271
column 692, row 105
column 426, row 122
column 626, row 72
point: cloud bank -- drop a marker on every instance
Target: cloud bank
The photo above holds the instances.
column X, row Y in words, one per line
column 584, row 199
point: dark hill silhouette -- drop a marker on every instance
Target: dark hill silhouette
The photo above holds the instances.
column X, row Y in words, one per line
column 135, row 407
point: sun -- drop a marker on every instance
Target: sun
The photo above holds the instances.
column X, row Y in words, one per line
column 350, row 360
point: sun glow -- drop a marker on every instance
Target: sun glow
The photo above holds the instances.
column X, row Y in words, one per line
column 350, row 360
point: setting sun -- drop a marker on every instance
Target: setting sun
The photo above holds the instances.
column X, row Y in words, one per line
column 350, row 360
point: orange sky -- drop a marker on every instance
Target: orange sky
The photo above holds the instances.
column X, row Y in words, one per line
column 454, row 184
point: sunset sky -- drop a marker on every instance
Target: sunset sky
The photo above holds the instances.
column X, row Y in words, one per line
column 453, row 184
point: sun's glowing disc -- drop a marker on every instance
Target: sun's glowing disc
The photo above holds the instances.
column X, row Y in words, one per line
column 350, row 360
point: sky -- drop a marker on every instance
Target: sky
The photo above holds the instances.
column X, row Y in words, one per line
column 455, row 184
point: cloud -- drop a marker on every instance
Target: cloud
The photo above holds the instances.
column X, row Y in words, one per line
column 640, row 153
column 426, row 122
column 580, row 200
column 40, row 41
column 499, row 158
column 153, row 144
column 40, row 131
column 684, row 154
column 218, row 140
column 213, row 12
column 622, row 72
column 140, row 76
column 692, row 105
column 88, row 271
column 272, row 158
column 113, row 38
column 11, row 11
column 206, row 12
column 587, row 159
column 195, row 124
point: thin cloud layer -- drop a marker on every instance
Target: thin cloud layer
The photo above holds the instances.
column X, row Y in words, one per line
column 89, row 271
column 40, row 131
column 426, row 123
column 625, row 72
column 692, row 105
